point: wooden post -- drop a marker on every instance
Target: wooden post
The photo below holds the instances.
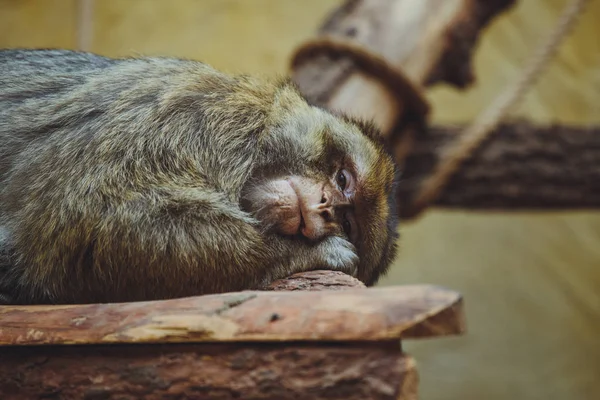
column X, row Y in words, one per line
column 425, row 41
column 373, row 58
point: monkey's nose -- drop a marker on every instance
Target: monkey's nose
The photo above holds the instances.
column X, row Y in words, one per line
column 317, row 221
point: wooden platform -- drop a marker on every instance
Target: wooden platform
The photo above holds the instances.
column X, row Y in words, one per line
column 291, row 344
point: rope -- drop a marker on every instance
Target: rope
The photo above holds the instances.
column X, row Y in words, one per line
column 489, row 119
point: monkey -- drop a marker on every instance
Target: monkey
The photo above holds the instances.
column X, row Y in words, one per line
column 148, row 178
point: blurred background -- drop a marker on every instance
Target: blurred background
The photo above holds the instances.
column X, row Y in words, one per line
column 531, row 282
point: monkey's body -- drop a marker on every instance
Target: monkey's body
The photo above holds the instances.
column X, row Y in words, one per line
column 123, row 180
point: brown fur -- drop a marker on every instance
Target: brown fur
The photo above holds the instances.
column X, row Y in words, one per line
column 121, row 180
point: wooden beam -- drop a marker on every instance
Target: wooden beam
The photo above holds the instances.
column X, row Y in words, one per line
column 522, row 166
column 354, row 314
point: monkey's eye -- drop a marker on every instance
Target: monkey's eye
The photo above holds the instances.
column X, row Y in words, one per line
column 342, row 179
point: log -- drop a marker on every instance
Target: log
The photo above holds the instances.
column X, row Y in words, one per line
column 253, row 345
column 203, row 371
column 317, row 280
column 375, row 314
column 426, row 41
column 522, row 166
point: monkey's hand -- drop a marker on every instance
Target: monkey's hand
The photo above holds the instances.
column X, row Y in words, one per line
column 337, row 254
column 332, row 253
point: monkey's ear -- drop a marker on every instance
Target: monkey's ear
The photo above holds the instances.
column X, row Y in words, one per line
column 368, row 128
column 399, row 141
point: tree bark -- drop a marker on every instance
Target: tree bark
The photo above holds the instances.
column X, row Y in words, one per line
column 521, row 167
column 317, row 280
column 209, row 371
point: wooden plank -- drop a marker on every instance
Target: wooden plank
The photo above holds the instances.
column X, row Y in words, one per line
column 354, row 314
column 209, row 371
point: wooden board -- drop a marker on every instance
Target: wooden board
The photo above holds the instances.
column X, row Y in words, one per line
column 348, row 315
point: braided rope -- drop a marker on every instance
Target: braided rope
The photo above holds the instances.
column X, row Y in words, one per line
column 453, row 158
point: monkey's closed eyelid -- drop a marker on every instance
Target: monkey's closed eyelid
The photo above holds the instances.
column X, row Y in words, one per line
column 350, row 226
column 347, row 226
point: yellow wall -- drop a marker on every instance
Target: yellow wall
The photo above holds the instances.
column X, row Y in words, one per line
column 568, row 91
column 48, row 23
column 531, row 282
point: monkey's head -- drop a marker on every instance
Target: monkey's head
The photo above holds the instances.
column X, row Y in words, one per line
column 332, row 175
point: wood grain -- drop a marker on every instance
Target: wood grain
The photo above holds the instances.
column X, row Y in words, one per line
column 317, row 280
column 354, row 314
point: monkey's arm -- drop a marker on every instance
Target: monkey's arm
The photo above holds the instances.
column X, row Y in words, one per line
column 294, row 256
column 205, row 244
column 178, row 243
column 5, row 296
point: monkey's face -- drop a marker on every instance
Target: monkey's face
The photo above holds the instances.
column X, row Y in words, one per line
column 329, row 178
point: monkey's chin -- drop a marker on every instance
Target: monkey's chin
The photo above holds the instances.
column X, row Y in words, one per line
column 275, row 203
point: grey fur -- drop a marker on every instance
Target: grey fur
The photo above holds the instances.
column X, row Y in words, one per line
column 121, row 180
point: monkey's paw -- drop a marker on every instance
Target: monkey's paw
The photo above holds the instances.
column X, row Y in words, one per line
column 339, row 254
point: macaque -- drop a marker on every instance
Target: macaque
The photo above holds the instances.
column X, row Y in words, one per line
column 152, row 178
